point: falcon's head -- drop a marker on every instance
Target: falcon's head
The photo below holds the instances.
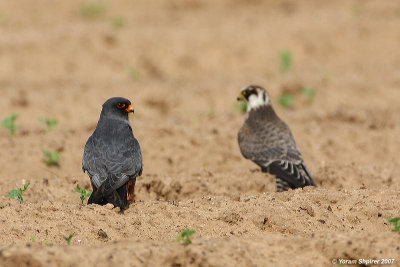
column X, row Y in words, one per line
column 117, row 106
column 255, row 96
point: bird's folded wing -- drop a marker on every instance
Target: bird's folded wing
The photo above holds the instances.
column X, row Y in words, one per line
column 112, row 163
column 268, row 143
column 275, row 151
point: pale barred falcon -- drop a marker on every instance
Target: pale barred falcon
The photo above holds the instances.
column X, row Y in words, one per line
column 112, row 156
column 266, row 140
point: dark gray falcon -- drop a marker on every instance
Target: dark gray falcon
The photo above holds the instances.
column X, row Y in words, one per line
column 266, row 140
column 112, row 156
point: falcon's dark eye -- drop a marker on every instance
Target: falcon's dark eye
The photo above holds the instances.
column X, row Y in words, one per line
column 120, row 105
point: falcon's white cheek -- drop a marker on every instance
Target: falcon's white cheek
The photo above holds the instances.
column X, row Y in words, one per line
column 256, row 101
column 266, row 99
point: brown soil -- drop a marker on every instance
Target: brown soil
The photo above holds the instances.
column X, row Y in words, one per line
column 182, row 63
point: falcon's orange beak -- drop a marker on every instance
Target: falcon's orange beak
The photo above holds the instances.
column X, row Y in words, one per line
column 129, row 109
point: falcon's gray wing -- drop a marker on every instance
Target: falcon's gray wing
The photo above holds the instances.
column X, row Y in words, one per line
column 266, row 142
column 112, row 159
column 270, row 144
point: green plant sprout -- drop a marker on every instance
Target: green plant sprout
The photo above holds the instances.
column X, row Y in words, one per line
column 17, row 193
column 184, row 236
column 68, row 239
column 93, row 10
column 356, row 9
column 396, row 223
column 49, row 123
column 286, row 60
column 83, row 193
column 52, row 158
column 286, row 100
column 309, row 94
column 9, row 123
column 118, row 22
column 3, row 19
column 204, row 166
column 211, row 113
column 133, row 73
column 241, row 107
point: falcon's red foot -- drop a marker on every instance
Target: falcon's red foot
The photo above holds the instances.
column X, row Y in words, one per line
column 131, row 192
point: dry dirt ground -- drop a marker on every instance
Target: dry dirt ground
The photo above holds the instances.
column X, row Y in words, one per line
column 182, row 63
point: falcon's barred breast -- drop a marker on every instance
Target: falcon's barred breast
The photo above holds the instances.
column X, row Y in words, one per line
column 112, row 156
column 266, row 140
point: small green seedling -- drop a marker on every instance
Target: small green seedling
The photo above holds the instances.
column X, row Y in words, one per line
column 309, row 94
column 3, row 19
column 17, row 193
column 204, row 165
column 241, row 107
column 9, row 123
column 93, row 10
column 49, row 123
column 68, row 239
column 133, row 73
column 83, row 193
column 396, row 223
column 356, row 9
column 184, row 236
column 286, row 100
column 211, row 113
column 286, row 60
column 52, row 158
column 118, row 22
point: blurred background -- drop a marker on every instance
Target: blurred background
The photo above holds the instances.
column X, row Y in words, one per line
column 331, row 67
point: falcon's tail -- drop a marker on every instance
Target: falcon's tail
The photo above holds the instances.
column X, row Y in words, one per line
column 289, row 175
column 281, row 185
column 118, row 198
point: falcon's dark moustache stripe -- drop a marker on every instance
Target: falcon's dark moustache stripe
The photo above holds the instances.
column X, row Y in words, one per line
column 252, row 90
